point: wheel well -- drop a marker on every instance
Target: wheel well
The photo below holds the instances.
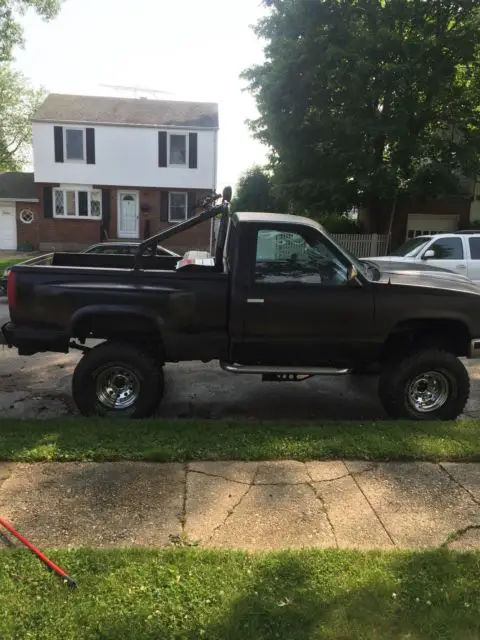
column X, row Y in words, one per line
column 133, row 329
column 411, row 335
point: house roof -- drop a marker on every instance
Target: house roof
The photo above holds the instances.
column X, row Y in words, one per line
column 16, row 185
column 127, row 111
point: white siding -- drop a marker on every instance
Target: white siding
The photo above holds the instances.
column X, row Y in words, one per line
column 125, row 157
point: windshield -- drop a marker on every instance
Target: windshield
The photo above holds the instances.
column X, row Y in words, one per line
column 412, row 247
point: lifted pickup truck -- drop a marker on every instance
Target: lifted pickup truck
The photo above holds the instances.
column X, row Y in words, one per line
column 282, row 299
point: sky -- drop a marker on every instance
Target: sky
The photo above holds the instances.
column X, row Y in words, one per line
column 191, row 49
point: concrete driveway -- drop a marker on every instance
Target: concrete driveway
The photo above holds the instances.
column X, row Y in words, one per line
column 39, row 387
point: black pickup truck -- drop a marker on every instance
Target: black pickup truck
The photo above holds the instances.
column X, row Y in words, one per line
column 282, row 299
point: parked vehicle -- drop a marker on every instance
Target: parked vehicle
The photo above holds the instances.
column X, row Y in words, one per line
column 282, row 300
column 118, row 248
column 458, row 252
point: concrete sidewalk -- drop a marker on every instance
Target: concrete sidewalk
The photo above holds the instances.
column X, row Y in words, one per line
column 246, row 505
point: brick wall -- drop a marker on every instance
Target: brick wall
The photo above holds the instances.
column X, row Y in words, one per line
column 75, row 234
column 195, row 238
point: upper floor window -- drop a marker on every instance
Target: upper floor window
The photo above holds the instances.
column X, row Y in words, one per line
column 288, row 257
column 72, row 203
column 177, row 149
column 75, row 144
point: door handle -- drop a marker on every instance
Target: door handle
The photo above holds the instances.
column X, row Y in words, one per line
column 461, row 266
column 255, row 300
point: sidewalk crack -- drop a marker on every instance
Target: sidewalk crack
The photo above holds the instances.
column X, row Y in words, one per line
column 458, row 483
column 232, row 510
column 456, row 535
column 319, row 497
column 248, row 484
column 373, row 509
column 183, row 515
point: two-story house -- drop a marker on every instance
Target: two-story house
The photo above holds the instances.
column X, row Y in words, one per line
column 113, row 168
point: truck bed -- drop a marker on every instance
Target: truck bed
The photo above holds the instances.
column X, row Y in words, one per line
column 103, row 297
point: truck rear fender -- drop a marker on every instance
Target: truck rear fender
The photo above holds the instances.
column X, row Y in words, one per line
column 116, row 321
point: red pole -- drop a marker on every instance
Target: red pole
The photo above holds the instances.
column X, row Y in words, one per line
column 51, row 565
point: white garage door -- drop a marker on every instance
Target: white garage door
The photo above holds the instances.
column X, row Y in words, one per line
column 421, row 225
column 8, row 226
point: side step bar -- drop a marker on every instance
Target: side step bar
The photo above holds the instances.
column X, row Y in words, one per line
column 266, row 369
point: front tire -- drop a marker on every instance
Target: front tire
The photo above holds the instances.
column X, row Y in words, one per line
column 429, row 385
column 117, row 380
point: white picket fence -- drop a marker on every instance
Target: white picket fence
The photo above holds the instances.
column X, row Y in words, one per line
column 363, row 245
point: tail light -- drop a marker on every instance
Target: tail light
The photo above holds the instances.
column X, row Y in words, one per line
column 11, row 290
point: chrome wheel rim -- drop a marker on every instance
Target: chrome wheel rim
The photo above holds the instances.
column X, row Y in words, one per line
column 428, row 391
column 117, row 387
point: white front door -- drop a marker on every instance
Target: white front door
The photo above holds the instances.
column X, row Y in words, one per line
column 8, row 226
column 128, row 217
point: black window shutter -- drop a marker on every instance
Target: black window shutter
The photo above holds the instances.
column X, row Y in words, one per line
column 105, row 226
column 58, row 143
column 192, row 150
column 162, row 148
column 82, row 203
column 47, row 202
column 192, row 201
column 164, row 206
column 90, row 139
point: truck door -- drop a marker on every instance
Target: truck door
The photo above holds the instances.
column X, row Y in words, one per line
column 298, row 307
column 449, row 254
column 473, row 259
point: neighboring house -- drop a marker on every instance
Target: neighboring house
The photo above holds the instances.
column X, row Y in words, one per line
column 18, row 200
column 114, row 168
column 418, row 217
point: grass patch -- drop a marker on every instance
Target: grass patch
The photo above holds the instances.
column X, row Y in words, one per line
column 9, row 262
column 183, row 440
column 192, row 594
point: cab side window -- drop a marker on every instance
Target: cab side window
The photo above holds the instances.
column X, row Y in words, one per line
column 447, row 249
column 288, row 257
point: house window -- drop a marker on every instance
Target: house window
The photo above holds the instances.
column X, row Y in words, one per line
column 177, row 209
column 75, row 144
column 177, row 150
column 73, row 203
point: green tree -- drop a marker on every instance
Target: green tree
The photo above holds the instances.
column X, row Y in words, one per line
column 362, row 101
column 256, row 192
column 11, row 32
column 18, row 102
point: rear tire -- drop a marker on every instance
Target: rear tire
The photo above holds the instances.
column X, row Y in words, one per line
column 429, row 385
column 117, row 380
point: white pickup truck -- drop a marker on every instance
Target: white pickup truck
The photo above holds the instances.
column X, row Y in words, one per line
column 458, row 252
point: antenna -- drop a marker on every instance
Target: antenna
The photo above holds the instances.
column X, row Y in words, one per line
column 154, row 93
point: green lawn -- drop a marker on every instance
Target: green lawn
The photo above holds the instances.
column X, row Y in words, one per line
column 191, row 594
column 8, row 262
column 177, row 440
